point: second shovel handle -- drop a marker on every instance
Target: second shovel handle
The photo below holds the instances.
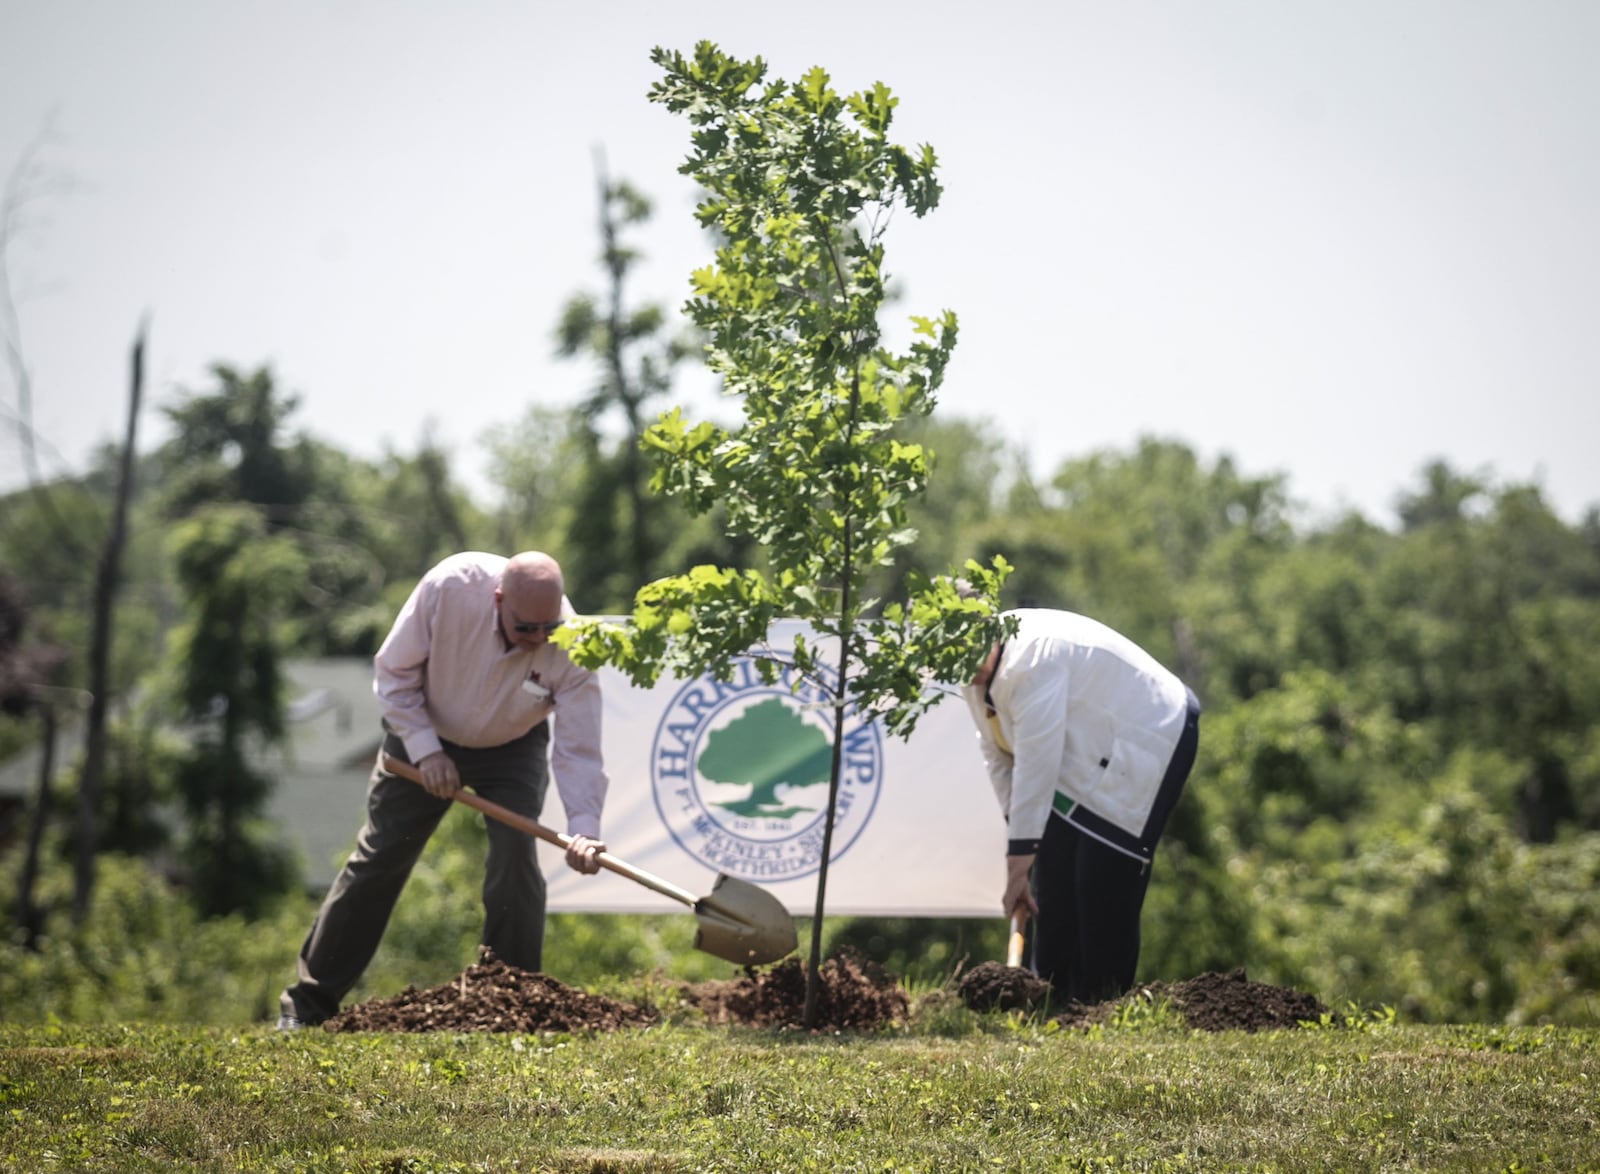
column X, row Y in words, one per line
column 549, row 835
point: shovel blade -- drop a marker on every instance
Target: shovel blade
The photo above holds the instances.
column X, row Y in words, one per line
column 743, row 924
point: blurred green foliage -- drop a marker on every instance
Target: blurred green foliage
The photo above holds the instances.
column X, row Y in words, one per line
column 1397, row 800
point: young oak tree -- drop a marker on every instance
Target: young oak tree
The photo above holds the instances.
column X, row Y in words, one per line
column 801, row 189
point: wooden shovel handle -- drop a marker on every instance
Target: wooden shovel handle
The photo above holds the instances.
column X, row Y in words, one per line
column 1014, row 944
column 549, row 835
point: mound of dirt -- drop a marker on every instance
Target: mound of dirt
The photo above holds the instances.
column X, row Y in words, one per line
column 854, row 994
column 1208, row 1002
column 1231, row 1002
column 991, row 986
column 492, row 996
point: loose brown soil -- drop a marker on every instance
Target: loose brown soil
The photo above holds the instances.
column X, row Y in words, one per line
column 1231, row 1002
column 1209, row 1002
column 491, row 996
column 989, row 986
column 854, row 995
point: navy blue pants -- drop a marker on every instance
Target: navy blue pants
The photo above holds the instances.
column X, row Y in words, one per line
column 1091, row 893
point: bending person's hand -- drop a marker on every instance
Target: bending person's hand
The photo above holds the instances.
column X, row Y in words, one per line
column 1018, row 901
column 583, row 854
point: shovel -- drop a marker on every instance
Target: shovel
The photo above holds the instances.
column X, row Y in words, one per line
column 738, row 921
column 1014, row 944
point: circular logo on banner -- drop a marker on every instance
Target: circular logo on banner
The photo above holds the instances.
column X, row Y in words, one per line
column 740, row 773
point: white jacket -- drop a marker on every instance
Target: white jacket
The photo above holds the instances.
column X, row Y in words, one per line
column 1082, row 711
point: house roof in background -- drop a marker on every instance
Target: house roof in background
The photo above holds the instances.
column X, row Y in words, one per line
column 332, row 717
column 333, row 727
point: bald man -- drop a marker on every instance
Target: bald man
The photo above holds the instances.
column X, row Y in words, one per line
column 469, row 685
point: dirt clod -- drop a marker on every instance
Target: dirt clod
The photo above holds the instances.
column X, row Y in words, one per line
column 990, row 986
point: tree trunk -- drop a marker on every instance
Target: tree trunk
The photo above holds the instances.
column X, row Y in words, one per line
column 30, row 919
column 846, row 628
column 105, row 590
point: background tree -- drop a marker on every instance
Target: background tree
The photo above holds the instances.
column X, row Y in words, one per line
column 357, row 527
column 1398, row 799
column 103, row 547
column 28, row 184
column 107, row 581
column 229, row 444
column 972, row 475
column 27, row 690
column 537, row 462
column 227, row 680
column 420, row 513
column 261, row 575
column 802, row 184
column 624, row 532
column 60, row 587
column 1379, row 700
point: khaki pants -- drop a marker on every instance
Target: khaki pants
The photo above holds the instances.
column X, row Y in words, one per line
column 401, row 816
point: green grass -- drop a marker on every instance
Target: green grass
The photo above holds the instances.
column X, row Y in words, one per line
column 954, row 1091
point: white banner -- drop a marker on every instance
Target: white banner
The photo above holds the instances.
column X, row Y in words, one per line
column 710, row 777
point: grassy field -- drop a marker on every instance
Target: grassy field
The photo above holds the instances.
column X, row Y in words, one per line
column 953, row 1091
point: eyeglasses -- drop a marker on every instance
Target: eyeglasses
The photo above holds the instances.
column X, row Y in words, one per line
column 546, row 626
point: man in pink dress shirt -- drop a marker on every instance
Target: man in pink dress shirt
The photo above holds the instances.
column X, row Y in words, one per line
column 470, row 686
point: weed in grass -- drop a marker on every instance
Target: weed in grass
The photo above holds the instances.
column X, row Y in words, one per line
column 1145, row 1011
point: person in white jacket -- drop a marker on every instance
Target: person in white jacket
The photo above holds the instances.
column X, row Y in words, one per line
column 469, row 685
column 1088, row 742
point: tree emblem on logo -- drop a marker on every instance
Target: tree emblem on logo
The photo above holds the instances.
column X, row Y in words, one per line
column 739, row 767
column 768, row 747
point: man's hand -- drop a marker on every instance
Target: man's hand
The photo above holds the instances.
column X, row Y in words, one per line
column 583, row 853
column 439, row 775
column 1018, row 901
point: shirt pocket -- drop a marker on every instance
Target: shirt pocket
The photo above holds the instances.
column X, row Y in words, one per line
column 1126, row 785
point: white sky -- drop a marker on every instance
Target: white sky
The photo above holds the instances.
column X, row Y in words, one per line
column 1331, row 238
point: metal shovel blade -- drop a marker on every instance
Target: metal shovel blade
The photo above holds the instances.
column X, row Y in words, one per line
column 743, row 924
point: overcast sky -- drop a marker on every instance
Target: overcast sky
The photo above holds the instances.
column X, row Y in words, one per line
column 1334, row 239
